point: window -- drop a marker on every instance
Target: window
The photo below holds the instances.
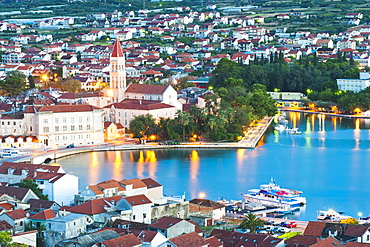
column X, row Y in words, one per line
column 144, row 215
column 8, row 123
column 80, row 127
column 88, row 119
column 64, row 120
column 64, row 138
column 88, row 127
column 72, row 127
column 14, row 123
column 57, row 138
column 56, row 120
column 80, row 119
column 30, row 128
column 46, row 129
column 72, row 119
column 46, row 121
column 64, row 128
column 56, row 128
column 133, row 217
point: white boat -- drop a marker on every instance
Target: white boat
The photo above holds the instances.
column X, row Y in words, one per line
column 280, row 127
column 295, row 132
column 9, row 152
column 331, row 215
column 273, row 195
column 291, row 129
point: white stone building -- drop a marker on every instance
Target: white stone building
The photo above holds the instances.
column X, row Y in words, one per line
column 62, row 125
column 355, row 85
column 69, row 225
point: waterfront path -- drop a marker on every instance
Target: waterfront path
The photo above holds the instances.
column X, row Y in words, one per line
column 254, row 135
column 250, row 140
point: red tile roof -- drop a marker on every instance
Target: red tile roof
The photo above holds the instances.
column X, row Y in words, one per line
column 165, row 222
column 17, row 214
column 31, row 168
column 136, row 183
column 300, row 240
column 207, row 203
column 145, row 235
column 150, row 183
column 4, row 226
column 146, row 89
column 137, row 200
column 189, row 240
column 43, row 215
column 61, row 108
column 124, row 241
column 213, row 242
column 6, row 205
column 356, row 230
column 95, row 206
column 145, row 105
column 328, row 242
column 314, row 228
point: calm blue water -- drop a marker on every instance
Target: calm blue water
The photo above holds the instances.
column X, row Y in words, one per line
column 328, row 162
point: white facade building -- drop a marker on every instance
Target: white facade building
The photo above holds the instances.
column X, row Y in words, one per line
column 117, row 72
column 62, row 125
column 355, row 85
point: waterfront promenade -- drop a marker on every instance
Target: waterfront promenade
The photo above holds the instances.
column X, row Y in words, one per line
column 250, row 140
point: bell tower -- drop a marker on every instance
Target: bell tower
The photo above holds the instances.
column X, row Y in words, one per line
column 117, row 84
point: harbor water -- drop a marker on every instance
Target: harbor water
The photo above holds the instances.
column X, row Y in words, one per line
column 328, row 161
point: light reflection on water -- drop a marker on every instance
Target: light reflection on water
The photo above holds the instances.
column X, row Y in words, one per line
column 328, row 162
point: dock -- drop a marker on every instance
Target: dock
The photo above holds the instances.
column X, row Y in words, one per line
column 254, row 135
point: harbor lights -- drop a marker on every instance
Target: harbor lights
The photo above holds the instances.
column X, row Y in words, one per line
column 202, row 195
column 357, row 110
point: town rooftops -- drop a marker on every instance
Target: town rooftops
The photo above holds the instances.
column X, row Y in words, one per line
column 300, row 240
column 144, row 105
column 146, row 89
column 28, row 169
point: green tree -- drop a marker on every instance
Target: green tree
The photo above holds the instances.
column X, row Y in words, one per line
column 6, row 241
column 142, row 126
column 31, row 184
column 14, row 83
column 252, row 222
column 183, row 118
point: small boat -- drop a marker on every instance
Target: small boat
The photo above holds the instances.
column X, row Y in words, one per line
column 280, row 127
column 331, row 215
column 273, row 195
column 291, row 129
column 295, row 132
column 8, row 153
column 283, row 120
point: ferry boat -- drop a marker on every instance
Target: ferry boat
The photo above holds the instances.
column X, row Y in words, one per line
column 273, row 195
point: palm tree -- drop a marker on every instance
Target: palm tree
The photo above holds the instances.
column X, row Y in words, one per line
column 183, row 118
column 251, row 223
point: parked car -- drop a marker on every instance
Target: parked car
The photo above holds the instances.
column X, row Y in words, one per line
column 71, row 146
column 291, row 224
column 283, row 224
